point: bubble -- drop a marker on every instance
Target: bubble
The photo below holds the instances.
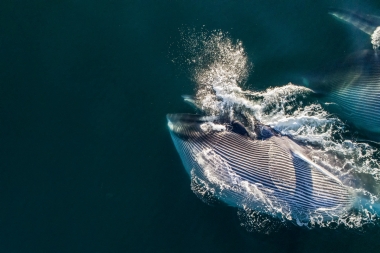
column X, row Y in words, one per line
column 219, row 67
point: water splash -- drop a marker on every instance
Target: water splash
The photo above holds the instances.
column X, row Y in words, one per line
column 375, row 38
column 220, row 67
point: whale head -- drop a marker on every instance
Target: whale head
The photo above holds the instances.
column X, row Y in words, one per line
column 272, row 174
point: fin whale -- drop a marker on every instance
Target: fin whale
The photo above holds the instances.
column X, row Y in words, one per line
column 354, row 86
column 269, row 172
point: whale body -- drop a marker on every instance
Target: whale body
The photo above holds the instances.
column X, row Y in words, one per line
column 355, row 91
column 269, row 172
column 354, row 87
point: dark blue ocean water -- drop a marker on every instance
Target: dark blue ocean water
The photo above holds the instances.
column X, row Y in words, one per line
column 87, row 163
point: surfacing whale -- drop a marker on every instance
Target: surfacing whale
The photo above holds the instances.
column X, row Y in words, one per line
column 354, row 87
column 266, row 172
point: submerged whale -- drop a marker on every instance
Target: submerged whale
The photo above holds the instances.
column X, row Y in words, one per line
column 262, row 171
column 354, row 87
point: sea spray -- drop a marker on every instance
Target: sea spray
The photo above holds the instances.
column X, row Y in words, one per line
column 219, row 66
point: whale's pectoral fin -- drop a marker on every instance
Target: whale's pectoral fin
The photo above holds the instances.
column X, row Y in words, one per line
column 364, row 22
column 312, row 164
column 373, row 19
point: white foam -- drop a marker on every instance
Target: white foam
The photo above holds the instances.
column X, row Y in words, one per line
column 375, row 38
column 220, row 67
column 170, row 125
column 210, row 126
column 226, row 185
column 202, row 189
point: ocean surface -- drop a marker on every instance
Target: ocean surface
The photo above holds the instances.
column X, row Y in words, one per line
column 87, row 161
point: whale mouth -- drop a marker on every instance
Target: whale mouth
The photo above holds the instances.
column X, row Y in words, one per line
column 266, row 174
column 276, row 152
column 191, row 125
column 177, row 119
